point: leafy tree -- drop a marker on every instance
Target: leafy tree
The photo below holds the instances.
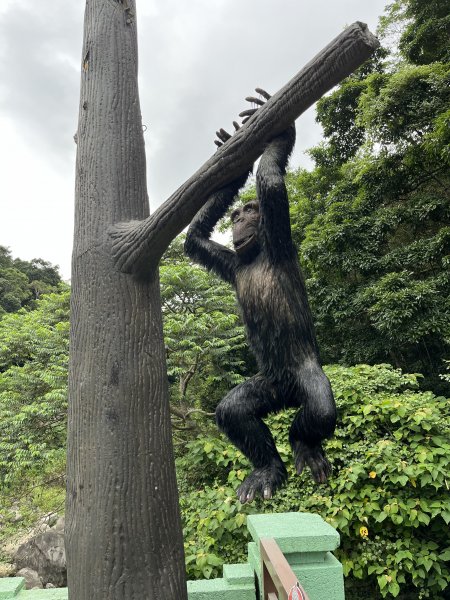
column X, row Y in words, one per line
column 14, row 290
column 372, row 218
column 42, row 275
column 33, row 389
column 425, row 29
column 22, row 282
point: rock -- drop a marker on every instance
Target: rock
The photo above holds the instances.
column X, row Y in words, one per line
column 50, row 586
column 11, row 547
column 6, row 570
column 59, row 525
column 32, row 579
column 46, row 521
column 45, row 554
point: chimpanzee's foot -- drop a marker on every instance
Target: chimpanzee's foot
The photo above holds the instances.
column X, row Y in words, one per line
column 264, row 482
column 313, row 457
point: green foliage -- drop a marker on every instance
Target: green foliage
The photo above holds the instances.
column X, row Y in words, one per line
column 214, row 523
column 22, row 282
column 425, row 29
column 33, row 402
column 33, row 388
column 43, row 277
column 14, row 290
column 338, row 115
column 372, row 220
column 388, row 496
column 204, row 337
column 401, row 108
column 214, row 530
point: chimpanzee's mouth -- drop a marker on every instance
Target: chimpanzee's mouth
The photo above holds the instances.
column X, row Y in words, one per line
column 243, row 242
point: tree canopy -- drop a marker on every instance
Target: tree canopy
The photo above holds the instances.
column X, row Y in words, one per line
column 372, row 218
column 22, row 282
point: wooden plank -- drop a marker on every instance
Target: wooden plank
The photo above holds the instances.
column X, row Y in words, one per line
column 277, row 573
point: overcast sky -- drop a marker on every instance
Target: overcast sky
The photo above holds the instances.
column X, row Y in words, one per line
column 198, row 61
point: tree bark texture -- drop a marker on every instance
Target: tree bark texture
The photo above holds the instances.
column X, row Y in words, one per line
column 137, row 247
column 123, row 532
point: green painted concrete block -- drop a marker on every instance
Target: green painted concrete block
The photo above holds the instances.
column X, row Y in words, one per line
column 53, row 594
column 295, row 558
column 305, row 539
column 322, row 581
column 238, row 574
column 10, row 587
column 294, row 532
column 254, row 558
column 219, row 589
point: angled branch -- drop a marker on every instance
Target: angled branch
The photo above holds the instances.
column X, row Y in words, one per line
column 137, row 246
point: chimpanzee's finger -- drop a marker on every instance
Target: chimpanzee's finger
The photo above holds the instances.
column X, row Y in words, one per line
column 249, row 112
column 267, row 494
column 255, row 100
column 263, row 93
column 223, row 135
column 300, row 465
column 236, row 125
column 250, row 496
column 217, row 143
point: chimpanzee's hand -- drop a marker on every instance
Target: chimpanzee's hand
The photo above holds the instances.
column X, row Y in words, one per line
column 286, row 139
column 251, row 111
column 224, row 136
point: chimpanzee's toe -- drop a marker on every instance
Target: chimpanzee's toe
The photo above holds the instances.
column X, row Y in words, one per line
column 262, row 482
column 313, row 457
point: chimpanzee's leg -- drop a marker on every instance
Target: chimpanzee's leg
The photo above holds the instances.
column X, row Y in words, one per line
column 239, row 415
column 314, row 422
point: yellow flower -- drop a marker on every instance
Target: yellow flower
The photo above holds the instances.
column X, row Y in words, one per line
column 363, row 532
column 372, row 474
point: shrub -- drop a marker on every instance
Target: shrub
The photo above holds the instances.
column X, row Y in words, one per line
column 388, row 497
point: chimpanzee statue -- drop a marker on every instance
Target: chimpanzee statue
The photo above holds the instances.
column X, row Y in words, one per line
column 271, row 292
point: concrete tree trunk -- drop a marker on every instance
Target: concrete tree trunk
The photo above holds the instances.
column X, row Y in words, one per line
column 124, row 539
column 123, row 532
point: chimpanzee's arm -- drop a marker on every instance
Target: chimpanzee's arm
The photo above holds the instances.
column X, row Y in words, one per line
column 270, row 186
column 272, row 195
column 200, row 247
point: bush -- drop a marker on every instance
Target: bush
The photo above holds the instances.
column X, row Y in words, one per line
column 388, row 497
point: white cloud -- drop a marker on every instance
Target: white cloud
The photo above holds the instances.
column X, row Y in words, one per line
column 36, row 202
column 198, row 60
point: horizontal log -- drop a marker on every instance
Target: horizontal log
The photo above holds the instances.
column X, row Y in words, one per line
column 138, row 246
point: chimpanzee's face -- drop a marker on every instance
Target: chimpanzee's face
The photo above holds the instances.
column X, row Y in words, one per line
column 245, row 220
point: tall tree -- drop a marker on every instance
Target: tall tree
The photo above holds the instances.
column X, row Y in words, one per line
column 373, row 217
column 22, row 282
column 123, row 532
column 424, row 27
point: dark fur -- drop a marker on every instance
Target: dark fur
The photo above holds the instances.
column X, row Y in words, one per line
column 272, row 295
